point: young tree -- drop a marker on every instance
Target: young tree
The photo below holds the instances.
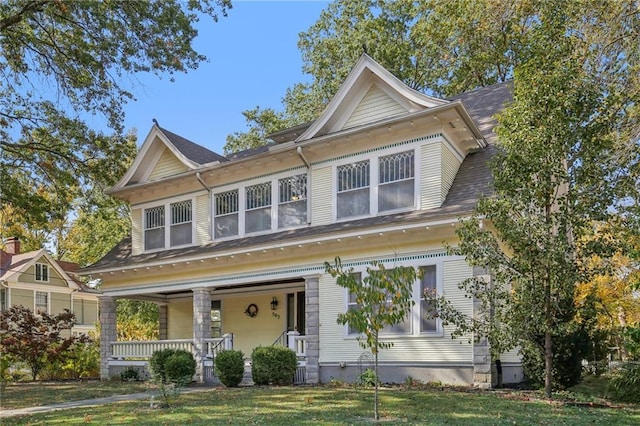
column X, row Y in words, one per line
column 36, row 339
column 565, row 161
column 383, row 298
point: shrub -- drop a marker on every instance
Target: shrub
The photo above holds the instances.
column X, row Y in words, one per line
column 625, row 384
column 82, row 361
column 130, row 375
column 229, row 367
column 274, row 365
column 368, row 378
column 172, row 365
column 568, row 352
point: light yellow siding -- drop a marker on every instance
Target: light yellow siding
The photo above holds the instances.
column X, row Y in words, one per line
column 202, row 220
column 137, row 237
column 22, row 297
column 430, row 176
column 376, row 105
column 180, row 319
column 336, row 346
column 58, row 302
column 248, row 332
column 29, row 276
column 167, row 165
column 450, row 166
column 322, row 194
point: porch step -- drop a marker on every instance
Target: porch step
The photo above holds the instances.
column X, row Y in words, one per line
column 247, row 379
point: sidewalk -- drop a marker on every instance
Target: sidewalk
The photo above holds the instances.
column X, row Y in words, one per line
column 90, row 402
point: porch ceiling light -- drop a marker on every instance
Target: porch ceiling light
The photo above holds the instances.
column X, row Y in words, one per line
column 274, row 303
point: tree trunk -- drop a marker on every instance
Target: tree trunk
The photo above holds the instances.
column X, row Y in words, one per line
column 548, row 363
column 376, row 416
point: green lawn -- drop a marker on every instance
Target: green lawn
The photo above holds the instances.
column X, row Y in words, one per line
column 326, row 405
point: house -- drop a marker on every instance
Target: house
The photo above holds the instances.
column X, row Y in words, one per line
column 37, row 281
column 232, row 248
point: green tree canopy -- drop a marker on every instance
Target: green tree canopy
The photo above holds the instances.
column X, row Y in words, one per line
column 62, row 63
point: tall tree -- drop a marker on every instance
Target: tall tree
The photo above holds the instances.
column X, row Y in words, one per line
column 565, row 162
column 383, row 298
column 62, row 62
column 438, row 47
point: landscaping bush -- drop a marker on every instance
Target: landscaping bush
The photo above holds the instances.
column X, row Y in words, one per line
column 82, row 361
column 625, row 384
column 273, row 365
column 229, row 367
column 172, row 365
column 568, row 352
column 130, row 375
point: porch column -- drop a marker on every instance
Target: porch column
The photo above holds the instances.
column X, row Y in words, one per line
column 482, row 371
column 312, row 321
column 162, row 320
column 201, row 328
column 107, row 332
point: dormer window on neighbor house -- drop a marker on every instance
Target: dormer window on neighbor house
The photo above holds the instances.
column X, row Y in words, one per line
column 180, row 229
column 42, row 272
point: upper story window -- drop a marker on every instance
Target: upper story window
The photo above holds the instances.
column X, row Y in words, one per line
column 3, row 299
column 226, row 214
column 353, row 190
column 42, row 302
column 181, row 218
column 396, row 181
column 292, row 201
column 258, row 207
column 42, row 272
column 180, row 229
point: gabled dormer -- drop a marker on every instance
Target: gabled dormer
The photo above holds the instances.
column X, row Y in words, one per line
column 163, row 155
column 368, row 95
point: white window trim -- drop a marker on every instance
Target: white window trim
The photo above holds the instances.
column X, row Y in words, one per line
column 374, row 184
column 35, row 275
column 167, row 221
column 275, row 197
column 416, row 296
column 35, row 301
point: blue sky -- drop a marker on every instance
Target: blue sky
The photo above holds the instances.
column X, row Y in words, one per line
column 253, row 59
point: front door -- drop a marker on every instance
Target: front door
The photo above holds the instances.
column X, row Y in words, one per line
column 296, row 312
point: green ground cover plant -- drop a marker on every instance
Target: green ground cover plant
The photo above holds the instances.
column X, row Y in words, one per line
column 348, row 405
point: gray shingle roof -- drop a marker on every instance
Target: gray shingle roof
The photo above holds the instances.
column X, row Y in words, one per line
column 472, row 181
column 194, row 152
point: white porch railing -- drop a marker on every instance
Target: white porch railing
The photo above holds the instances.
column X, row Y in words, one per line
column 297, row 343
column 144, row 349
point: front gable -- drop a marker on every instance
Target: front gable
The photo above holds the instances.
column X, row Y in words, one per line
column 167, row 165
column 369, row 94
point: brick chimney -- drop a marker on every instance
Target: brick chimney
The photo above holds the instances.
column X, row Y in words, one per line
column 12, row 245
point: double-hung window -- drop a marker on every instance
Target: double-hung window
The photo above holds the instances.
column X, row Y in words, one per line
column 42, row 302
column 258, row 208
column 42, row 272
column 292, row 201
column 158, row 234
column 396, row 184
column 226, row 214
column 3, row 299
column 154, row 228
column 428, row 284
column 181, row 223
column 352, row 303
column 353, row 190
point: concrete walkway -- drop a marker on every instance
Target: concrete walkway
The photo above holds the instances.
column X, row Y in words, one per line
column 91, row 402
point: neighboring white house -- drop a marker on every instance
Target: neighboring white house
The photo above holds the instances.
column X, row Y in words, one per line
column 37, row 281
column 232, row 248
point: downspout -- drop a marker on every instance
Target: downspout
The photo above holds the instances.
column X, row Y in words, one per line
column 308, row 165
column 209, row 207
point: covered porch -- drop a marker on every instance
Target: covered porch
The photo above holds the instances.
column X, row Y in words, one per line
column 207, row 320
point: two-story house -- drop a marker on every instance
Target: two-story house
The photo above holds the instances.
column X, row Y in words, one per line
column 232, row 248
column 37, row 281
